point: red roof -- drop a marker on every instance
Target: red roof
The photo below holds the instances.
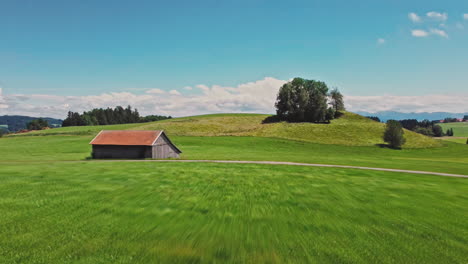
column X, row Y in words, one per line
column 126, row 137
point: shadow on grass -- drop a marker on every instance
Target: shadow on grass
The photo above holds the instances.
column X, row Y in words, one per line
column 387, row 146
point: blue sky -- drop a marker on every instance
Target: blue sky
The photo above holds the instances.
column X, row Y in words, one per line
column 87, row 48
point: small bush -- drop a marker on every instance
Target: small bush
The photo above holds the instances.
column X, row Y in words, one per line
column 437, row 131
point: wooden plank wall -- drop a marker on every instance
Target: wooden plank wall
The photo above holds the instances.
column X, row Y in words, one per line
column 162, row 149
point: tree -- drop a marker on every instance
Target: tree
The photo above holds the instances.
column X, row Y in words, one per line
column 450, row 120
column 37, row 124
column 393, row 134
column 330, row 114
column 449, row 132
column 411, row 124
column 302, row 100
column 425, row 123
column 465, row 118
column 437, row 131
column 336, row 100
column 424, row 131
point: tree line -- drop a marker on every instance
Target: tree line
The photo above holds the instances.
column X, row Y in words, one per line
column 454, row 120
column 302, row 100
column 425, row 127
column 108, row 116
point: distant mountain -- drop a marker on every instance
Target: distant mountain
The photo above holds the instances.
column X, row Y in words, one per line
column 14, row 123
column 386, row 115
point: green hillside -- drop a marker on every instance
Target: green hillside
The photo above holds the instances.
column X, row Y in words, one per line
column 460, row 129
column 350, row 129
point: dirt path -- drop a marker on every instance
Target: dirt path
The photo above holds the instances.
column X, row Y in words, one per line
column 308, row 165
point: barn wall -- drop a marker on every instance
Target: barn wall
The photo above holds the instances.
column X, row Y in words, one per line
column 162, row 149
column 121, row 152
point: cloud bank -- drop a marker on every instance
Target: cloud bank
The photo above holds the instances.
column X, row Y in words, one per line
column 252, row 97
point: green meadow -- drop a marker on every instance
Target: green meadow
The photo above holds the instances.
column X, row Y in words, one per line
column 460, row 129
column 450, row 158
column 57, row 206
column 144, row 212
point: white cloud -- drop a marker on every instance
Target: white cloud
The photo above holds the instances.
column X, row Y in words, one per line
column 465, row 16
column 252, row 97
column 155, row 91
column 460, row 25
column 407, row 104
column 414, row 17
column 381, row 41
column 419, row 33
column 188, row 88
column 174, row 92
column 439, row 32
column 437, row 16
column 433, row 31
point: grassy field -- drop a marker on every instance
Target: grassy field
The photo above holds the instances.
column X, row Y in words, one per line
column 451, row 158
column 350, row 129
column 58, row 207
column 459, row 129
column 456, row 140
column 131, row 212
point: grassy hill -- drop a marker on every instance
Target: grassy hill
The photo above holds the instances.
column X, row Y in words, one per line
column 350, row 129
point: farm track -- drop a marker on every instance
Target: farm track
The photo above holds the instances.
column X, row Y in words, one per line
column 300, row 164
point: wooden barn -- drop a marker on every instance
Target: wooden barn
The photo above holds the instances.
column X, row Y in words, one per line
column 132, row 144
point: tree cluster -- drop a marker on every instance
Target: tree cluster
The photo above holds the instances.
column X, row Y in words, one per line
column 108, row 116
column 302, row 100
column 37, row 124
column 425, row 127
column 152, row 118
column 393, row 134
column 450, row 120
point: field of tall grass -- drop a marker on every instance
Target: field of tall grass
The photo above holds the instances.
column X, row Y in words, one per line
column 146, row 212
column 59, row 207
